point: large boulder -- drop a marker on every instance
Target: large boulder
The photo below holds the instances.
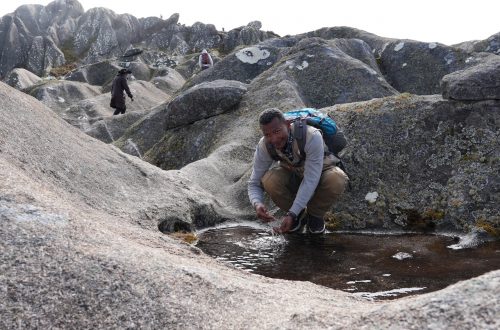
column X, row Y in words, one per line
column 166, row 34
column 420, row 163
column 16, row 43
column 323, row 72
column 168, row 80
column 59, row 20
column 479, row 82
column 418, row 67
column 242, row 65
column 326, row 72
column 32, row 33
column 343, row 32
column 203, row 36
column 490, row 45
column 109, row 128
column 62, row 157
column 244, row 36
column 39, row 38
column 58, row 95
column 103, row 34
column 100, row 73
column 43, row 56
column 196, row 104
column 21, row 78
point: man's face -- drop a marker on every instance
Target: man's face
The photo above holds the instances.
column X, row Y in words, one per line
column 276, row 133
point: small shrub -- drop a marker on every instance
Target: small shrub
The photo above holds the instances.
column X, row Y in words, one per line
column 62, row 70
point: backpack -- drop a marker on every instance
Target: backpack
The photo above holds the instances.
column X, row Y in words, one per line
column 332, row 135
column 205, row 59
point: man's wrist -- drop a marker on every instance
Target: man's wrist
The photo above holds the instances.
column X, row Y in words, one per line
column 292, row 215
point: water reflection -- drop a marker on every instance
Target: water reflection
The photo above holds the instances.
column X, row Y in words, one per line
column 372, row 266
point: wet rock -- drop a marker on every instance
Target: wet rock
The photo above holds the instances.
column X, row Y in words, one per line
column 473, row 239
column 402, row 256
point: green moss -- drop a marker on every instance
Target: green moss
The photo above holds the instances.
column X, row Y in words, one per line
column 492, row 229
column 331, row 221
column 187, row 237
column 433, row 214
column 62, row 70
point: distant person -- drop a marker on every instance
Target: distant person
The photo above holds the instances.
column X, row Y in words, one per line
column 117, row 95
column 205, row 60
column 294, row 183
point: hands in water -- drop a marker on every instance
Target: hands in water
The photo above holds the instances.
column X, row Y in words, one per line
column 263, row 214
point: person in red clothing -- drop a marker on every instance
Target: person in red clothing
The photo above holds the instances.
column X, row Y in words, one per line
column 205, row 61
column 117, row 96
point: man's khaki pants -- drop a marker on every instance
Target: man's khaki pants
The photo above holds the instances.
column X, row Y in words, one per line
column 282, row 186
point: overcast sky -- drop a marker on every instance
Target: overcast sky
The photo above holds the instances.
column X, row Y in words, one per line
column 444, row 21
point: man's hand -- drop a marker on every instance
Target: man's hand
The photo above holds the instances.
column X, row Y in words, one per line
column 262, row 213
column 286, row 225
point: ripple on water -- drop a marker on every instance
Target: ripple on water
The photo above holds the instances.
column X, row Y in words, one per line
column 373, row 266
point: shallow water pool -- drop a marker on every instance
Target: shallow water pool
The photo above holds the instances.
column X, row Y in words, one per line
column 374, row 266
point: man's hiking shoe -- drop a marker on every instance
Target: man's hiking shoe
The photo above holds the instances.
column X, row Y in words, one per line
column 315, row 225
column 299, row 222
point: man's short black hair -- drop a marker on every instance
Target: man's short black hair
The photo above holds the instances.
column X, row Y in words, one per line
column 268, row 115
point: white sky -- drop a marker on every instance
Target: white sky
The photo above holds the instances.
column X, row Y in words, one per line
column 444, row 21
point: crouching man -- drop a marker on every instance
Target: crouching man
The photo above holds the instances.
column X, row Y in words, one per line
column 295, row 182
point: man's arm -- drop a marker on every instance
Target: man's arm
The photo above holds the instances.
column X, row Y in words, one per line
column 126, row 88
column 261, row 163
column 315, row 152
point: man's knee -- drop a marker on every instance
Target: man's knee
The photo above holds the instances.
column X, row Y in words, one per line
column 274, row 181
column 334, row 181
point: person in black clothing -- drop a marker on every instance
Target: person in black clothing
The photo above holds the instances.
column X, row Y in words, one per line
column 117, row 95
